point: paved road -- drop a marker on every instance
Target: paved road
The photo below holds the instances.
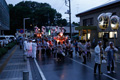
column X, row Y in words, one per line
column 73, row 69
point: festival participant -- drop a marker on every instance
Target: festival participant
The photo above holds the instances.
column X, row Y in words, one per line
column 25, row 46
column 29, row 53
column 48, row 49
column 111, row 49
column 64, row 46
column 98, row 56
column 34, row 49
column 59, row 52
column 67, row 48
column 43, row 47
column 88, row 46
column 83, row 52
column 55, row 49
column 79, row 48
column 71, row 49
column 76, row 47
column 21, row 43
column 52, row 46
column 39, row 48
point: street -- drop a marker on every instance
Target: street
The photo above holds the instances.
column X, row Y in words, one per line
column 73, row 69
column 48, row 68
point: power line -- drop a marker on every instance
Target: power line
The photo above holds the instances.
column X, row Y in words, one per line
column 61, row 7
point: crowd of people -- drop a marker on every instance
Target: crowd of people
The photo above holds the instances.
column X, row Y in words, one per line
column 58, row 50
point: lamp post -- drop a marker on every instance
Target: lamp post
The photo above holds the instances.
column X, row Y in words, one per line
column 24, row 24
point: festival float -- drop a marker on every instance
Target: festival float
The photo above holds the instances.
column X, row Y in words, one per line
column 60, row 38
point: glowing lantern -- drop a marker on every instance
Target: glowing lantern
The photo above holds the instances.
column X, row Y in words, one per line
column 114, row 22
column 61, row 34
column 60, row 38
column 103, row 21
column 39, row 35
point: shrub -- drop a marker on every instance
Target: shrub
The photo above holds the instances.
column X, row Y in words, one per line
column 3, row 51
column 10, row 45
column 6, row 48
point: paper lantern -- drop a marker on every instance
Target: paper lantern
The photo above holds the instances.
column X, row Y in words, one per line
column 103, row 21
column 114, row 22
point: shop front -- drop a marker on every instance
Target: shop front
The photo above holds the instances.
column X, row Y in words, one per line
column 86, row 32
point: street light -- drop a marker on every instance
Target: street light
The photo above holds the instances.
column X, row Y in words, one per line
column 24, row 24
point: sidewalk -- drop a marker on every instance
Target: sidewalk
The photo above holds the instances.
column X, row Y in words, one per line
column 13, row 65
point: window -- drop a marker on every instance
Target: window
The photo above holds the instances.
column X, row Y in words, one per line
column 88, row 22
column 85, row 22
column 91, row 21
column 112, row 34
column 107, row 34
column 100, row 34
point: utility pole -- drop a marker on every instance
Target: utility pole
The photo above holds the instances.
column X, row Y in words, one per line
column 70, row 17
column 69, row 12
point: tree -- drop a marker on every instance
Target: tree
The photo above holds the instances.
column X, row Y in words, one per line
column 76, row 24
column 40, row 14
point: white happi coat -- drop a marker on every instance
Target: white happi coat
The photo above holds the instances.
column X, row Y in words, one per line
column 34, row 48
column 97, row 55
column 25, row 47
column 29, row 52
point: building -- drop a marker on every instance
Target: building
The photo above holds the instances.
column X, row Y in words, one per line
column 4, row 16
column 66, row 30
column 89, row 25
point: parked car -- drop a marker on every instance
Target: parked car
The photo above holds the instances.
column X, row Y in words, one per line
column 1, row 43
column 12, row 37
column 4, row 39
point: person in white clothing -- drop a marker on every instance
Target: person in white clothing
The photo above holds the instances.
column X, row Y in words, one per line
column 98, row 57
column 111, row 49
column 25, row 46
column 29, row 50
column 34, row 49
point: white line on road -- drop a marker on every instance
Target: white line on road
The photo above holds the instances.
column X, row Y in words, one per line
column 92, row 68
column 40, row 71
column 117, row 61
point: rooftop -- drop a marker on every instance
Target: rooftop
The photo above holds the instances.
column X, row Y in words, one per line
column 98, row 7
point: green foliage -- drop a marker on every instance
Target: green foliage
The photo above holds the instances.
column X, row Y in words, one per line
column 3, row 51
column 10, row 45
column 76, row 24
column 6, row 48
column 62, row 22
column 40, row 14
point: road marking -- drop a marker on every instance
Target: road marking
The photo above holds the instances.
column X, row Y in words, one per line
column 82, row 64
column 6, row 61
column 117, row 61
column 92, row 68
column 40, row 71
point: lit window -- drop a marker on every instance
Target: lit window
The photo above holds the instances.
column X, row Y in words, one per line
column 111, row 34
column 100, row 34
column 89, row 36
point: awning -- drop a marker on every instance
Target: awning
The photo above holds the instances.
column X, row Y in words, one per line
column 76, row 35
column 86, row 28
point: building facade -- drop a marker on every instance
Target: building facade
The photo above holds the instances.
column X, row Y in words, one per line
column 4, row 16
column 89, row 24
